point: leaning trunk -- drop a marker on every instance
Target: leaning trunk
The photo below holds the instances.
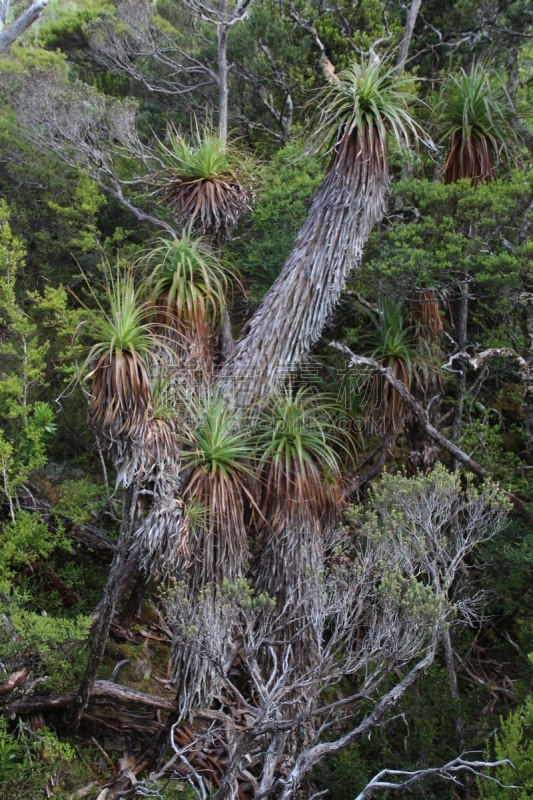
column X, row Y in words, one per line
column 101, row 630
column 349, row 201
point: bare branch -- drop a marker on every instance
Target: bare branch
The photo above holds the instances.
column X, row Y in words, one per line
column 477, row 360
column 22, row 23
column 417, row 409
column 449, row 772
column 311, row 756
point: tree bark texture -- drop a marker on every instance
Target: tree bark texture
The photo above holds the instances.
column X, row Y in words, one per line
column 454, row 687
column 101, row 630
column 222, row 36
column 22, row 23
column 104, row 690
column 348, row 202
column 462, row 329
column 410, row 23
column 526, row 301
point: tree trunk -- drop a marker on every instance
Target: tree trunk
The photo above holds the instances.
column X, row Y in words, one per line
column 462, row 327
column 222, row 36
column 410, row 23
column 103, row 623
column 526, row 301
column 454, row 688
column 348, row 202
column 22, row 23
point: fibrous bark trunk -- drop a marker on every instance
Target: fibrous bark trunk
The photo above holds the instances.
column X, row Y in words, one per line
column 349, row 201
column 101, row 630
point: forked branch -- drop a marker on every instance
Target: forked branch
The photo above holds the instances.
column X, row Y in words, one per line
column 449, row 771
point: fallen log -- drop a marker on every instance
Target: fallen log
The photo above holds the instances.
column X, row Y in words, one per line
column 101, row 689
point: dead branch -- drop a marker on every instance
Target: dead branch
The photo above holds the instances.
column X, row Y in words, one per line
column 21, row 24
column 312, row 755
column 106, row 690
column 100, row 631
column 14, row 679
column 449, row 772
column 69, row 597
column 417, row 409
column 478, row 359
column 362, row 302
column 89, row 535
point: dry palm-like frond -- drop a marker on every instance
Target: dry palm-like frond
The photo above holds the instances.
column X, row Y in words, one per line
column 359, row 112
column 393, row 343
column 205, row 183
column 425, row 316
column 121, row 389
column 190, row 285
column 162, row 538
column 218, row 451
column 474, row 121
column 300, row 497
column 299, row 465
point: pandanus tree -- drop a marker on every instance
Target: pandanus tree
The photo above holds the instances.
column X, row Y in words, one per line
column 393, row 342
column 121, row 388
column 360, row 110
column 206, row 182
column 473, row 119
column 217, row 457
column 120, row 411
column 218, row 452
column 190, row 286
column 299, row 501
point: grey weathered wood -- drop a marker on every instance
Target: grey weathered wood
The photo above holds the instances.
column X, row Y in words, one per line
column 410, row 23
column 22, row 23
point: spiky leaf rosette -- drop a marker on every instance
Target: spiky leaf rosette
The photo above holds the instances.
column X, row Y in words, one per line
column 121, row 388
column 368, row 98
column 205, row 183
column 393, row 343
column 360, row 111
column 217, row 454
column 190, row 285
column 473, row 118
column 299, row 465
column 299, row 499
